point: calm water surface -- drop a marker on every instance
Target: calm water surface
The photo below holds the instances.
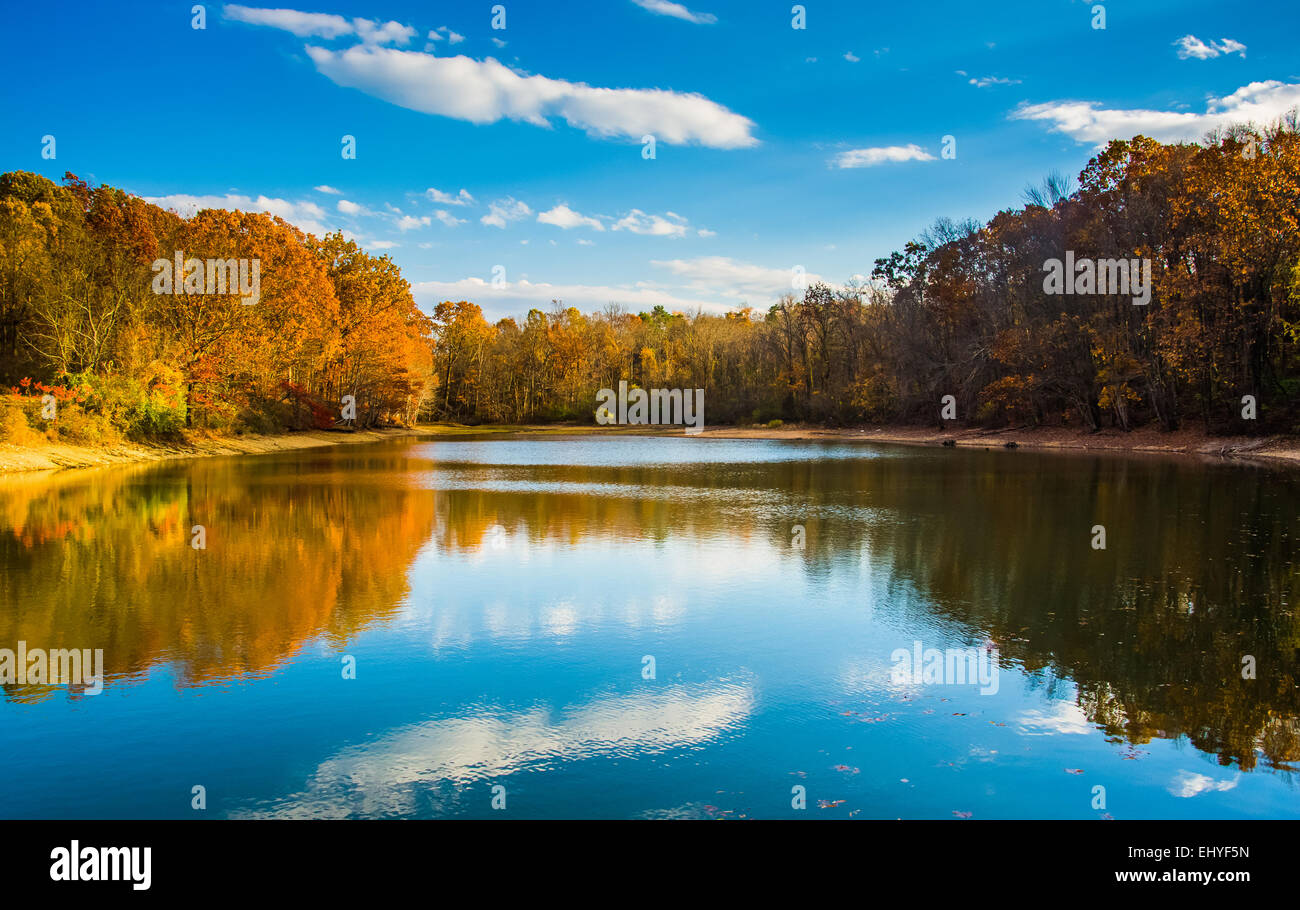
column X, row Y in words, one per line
column 499, row 598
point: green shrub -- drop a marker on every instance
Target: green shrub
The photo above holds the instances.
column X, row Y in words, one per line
column 147, row 407
column 79, row 426
column 265, row 417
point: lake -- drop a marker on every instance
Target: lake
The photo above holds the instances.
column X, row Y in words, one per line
column 639, row 627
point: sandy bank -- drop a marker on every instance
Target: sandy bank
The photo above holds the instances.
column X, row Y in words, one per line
column 1188, row 441
column 53, row 456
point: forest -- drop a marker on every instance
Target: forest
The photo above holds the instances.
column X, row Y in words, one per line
column 82, row 321
column 961, row 310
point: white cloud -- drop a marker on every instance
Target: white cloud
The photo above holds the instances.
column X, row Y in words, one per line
column 305, row 215
column 461, row 198
column 324, row 188
column 348, row 207
column 321, row 25
column 393, row 773
column 486, row 91
column 519, row 296
column 388, row 33
column 851, row 57
column 304, row 25
column 379, row 245
column 410, row 222
column 986, row 81
column 1189, row 46
column 498, row 42
column 586, row 242
column 728, row 278
column 676, row 10
column 505, row 210
column 870, row 157
column 638, row 222
column 712, row 284
column 448, row 218
column 564, row 217
column 1063, row 717
column 452, row 37
column 705, row 232
column 1087, row 121
column 1187, row 784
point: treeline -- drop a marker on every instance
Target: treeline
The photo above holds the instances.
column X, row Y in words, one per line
column 962, row 311
column 86, row 322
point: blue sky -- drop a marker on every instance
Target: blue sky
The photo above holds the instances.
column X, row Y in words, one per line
column 775, row 147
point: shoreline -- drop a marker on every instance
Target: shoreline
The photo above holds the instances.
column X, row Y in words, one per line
column 56, row 456
column 1190, row 441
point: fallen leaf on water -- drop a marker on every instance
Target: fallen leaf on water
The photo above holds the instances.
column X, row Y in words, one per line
column 1073, row 770
column 829, row 803
column 962, row 814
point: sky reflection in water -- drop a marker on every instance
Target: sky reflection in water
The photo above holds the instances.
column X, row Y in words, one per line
column 499, row 597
